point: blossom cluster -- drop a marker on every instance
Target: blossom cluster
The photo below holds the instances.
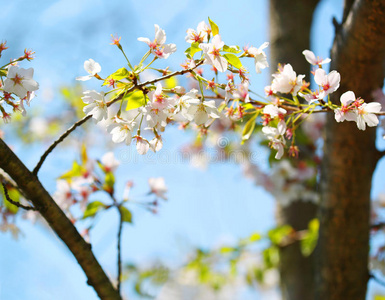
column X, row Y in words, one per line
column 280, row 125
column 150, row 106
column 16, row 82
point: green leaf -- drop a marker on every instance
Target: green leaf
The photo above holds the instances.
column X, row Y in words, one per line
column 379, row 297
column 74, row 172
column 249, row 127
column 117, row 75
column 135, row 99
column 3, row 73
column 109, row 180
column 232, row 49
column 255, row 237
column 126, row 214
column 194, row 48
column 225, row 250
column 92, row 208
column 233, row 60
column 248, row 106
column 271, row 257
column 214, row 27
column 277, row 235
column 310, row 239
column 15, row 196
column 83, row 154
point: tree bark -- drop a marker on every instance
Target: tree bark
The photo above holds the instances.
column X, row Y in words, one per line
column 290, row 28
column 61, row 225
column 350, row 158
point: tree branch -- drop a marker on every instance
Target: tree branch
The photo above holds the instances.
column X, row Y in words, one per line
column 18, row 204
column 58, row 221
column 57, row 142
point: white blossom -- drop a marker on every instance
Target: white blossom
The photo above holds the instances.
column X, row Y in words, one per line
column 212, row 55
column 19, row 81
column 312, row 59
column 97, row 106
column 92, row 68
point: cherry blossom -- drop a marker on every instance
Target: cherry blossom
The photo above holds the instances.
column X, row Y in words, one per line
column 242, row 92
column 158, row 187
column 110, row 163
column 202, row 111
column 92, row 68
column 19, row 81
column 212, row 55
column 158, row 46
column 121, row 131
column 277, row 141
column 260, row 59
column 96, row 105
column 312, row 59
column 142, row 145
column 346, row 112
column 200, row 35
column 329, row 82
column 286, row 81
column 366, row 114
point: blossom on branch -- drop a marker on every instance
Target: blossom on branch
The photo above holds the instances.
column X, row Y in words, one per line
column 212, row 55
column 312, row 59
column 260, row 58
column 19, row 81
column 97, row 106
column 92, row 68
column 286, row 81
column 200, row 35
column 158, row 46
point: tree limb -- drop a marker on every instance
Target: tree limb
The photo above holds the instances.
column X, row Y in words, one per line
column 58, row 221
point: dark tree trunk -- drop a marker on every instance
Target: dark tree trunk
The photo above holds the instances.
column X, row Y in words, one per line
column 350, row 157
column 290, row 25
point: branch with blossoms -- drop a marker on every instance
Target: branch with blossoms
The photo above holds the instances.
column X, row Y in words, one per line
column 146, row 108
column 133, row 109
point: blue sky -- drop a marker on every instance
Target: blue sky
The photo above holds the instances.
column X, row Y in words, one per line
column 204, row 207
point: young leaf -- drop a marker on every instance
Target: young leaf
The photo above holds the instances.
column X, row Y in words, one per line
column 92, row 208
column 309, row 241
column 194, row 49
column 135, row 99
column 75, row 172
column 118, row 75
column 249, row 128
column 109, row 181
column 214, row 28
column 232, row 49
column 233, row 60
column 15, row 196
column 126, row 214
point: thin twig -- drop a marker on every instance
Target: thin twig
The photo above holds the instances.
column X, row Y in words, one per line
column 57, row 142
column 86, row 118
column 119, row 249
column 18, row 204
